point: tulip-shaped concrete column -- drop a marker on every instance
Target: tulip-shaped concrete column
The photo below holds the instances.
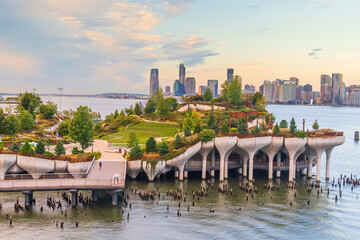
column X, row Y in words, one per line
column 293, row 146
column 278, row 164
column 297, row 155
column 206, row 148
column 224, row 145
column 251, row 146
column 245, row 158
column 328, row 154
column 271, row 150
column 332, row 142
column 310, row 155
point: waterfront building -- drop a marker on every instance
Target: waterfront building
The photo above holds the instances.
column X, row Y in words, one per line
column 325, row 88
column 230, row 74
column 294, row 80
column 337, row 85
column 261, row 89
column 343, row 94
column 287, row 92
column 167, row 90
column 178, row 89
column 182, row 73
column 308, row 88
column 299, row 90
column 190, row 86
column 202, row 90
column 214, row 86
column 354, row 95
column 154, row 80
column 249, row 88
column 268, row 90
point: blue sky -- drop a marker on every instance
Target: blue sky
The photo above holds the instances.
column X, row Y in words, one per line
column 96, row 46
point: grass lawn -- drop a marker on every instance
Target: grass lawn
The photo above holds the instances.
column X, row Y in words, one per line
column 143, row 131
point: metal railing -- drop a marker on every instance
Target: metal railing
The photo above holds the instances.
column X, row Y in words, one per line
column 27, row 176
column 90, row 167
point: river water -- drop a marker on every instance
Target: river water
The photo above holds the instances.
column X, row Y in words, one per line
column 266, row 215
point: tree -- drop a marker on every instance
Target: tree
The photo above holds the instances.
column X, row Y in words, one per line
column 234, row 92
column 150, row 106
column 2, row 121
column 40, row 147
column 136, row 150
column 300, row 134
column 315, row 126
column 129, row 111
column 137, row 109
column 11, row 125
column 63, row 128
column 293, row 126
column 163, row 148
column 14, row 147
column 225, row 91
column 242, row 126
column 211, row 121
column 47, row 110
column 178, row 143
column 81, row 127
column 276, row 129
column 29, row 102
column 261, row 104
column 132, row 140
column 162, row 109
column 255, row 97
column 207, row 135
column 284, row 124
column 224, row 128
column 59, row 149
column 76, row 150
column 150, row 145
column 172, row 103
column 208, row 95
column 26, row 120
column 187, row 132
column 198, row 127
column 116, row 114
column 26, row 148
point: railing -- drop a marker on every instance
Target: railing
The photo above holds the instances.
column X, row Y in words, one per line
column 90, row 167
column 28, row 176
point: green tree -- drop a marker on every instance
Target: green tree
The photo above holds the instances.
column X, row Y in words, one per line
column 26, row 120
column 172, row 103
column 225, row 91
column 198, row 127
column 2, row 121
column 63, row 128
column 150, row 106
column 151, row 145
column 211, row 121
column 14, row 147
column 132, row 140
column 26, row 148
column 81, row 127
column 29, row 102
column 255, row 97
column 40, row 147
column 136, row 150
column 300, row 134
column 116, row 114
column 315, row 126
column 242, row 126
column 163, row 148
column 48, row 110
column 293, row 126
column 178, row 143
column 162, row 109
column 187, row 132
column 207, row 135
column 224, row 128
column 137, row 109
column 11, row 125
column 261, row 104
column 276, row 129
column 59, row 149
column 208, row 95
column 129, row 111
column 284, row 124
column 97, row 128
column 234, row 92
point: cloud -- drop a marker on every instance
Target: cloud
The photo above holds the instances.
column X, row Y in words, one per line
column 311, row 54
column 174, row 7
column 317, row 49
column 315, row 52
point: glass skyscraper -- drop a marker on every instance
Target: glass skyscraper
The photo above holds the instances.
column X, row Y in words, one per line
column 154, row 80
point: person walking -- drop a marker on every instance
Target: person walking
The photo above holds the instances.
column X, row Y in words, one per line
column 100, row 164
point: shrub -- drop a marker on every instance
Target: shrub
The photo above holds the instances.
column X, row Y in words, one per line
column 233, row 130
column 284, row 124
column 40, row 147
column 315, row 126
column 151, row 145
column 198, row 127
column 234, row 123
column 300, row 134
column 50, row 154
column 1, row 146
column 178, row 143
column 14, row 147
column 207, row 135
column 251, row 117
column 242, row 126
column 26, row 148
column 256, row 130
column 132, row 140
column 187, row 132
column 224, row 128
column 136, row 150
column 163, row 148
column 97, row 155
column 276, row 129
column 59, row 149
column 76, row 150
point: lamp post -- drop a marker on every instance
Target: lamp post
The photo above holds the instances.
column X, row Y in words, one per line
column 60, row 90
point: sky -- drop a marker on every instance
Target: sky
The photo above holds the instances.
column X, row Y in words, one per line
column 99, row 46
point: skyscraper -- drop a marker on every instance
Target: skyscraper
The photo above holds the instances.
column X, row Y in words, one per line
column 337, row 85
column 230, row 74
column 202, row 90
column 190, row 85
column 178, row 89
column 154, row 80
column 214, row 86
column 294, row 80
column 308, row 88
column 268, row 90
column 182, row 73
column 167, row 90
column 325, row 88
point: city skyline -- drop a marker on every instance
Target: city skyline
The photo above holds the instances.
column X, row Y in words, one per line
column 88, row 45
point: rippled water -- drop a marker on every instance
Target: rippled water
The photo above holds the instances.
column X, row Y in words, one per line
column 323, row 218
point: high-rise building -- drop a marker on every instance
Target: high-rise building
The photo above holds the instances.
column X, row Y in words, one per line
column 249, row 88
column 202, row 90
column 167, row 90
column 325, row 88
column 190, row 86
column 182, row 73
column 268, row 90
column 354, row 95
column 337, row 84
column 299, row 93
column 230, row 74
column 261, row 89
column 294, row 80
column 178, row 89
column 308, row 88
column 154, row 80
column 214, row 86
column 287, row 92
column 343, row 94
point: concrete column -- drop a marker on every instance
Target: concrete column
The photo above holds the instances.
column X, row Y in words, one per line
column 28, row 197
column 303, row 172
column 309, row 170
column 222, row 165
column 181, row 174
column 74, row 197
column 114, row 197
column 176, row 174
column 226, row 166
column 328, row 154
column 278, row 163
column 186, row 174
column 240, row 171
column 203, row 169
column 95, row 195
column 291, row 168
column 294, row 171
column 270, row 169
column 251, row 166
column 212, row 173
column 245, row 168
column 318, row 167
